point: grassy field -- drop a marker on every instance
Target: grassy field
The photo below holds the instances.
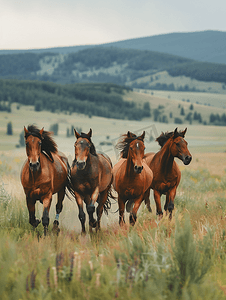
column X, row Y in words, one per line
column 181, row 259
column 180, row 81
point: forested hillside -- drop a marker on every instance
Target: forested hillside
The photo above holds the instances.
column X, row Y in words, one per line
column 91, row 99
column 104, row 65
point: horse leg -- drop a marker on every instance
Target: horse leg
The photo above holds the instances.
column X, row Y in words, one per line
column 133, row 215
column 59, row 206
column 121, row 205
column 47, row 199
column 81, row 214
column 31, row 209
column 102, row 200
column 172, row 194
column 167, row 202
column 91, row 208
column 147, row 200
column 157, row 197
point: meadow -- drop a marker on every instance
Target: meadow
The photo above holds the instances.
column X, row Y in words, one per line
column 179, row 259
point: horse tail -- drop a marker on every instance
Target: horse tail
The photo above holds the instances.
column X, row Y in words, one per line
column 107, row 204
column 69, row 187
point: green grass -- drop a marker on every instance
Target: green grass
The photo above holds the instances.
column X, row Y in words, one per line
column 181, row 259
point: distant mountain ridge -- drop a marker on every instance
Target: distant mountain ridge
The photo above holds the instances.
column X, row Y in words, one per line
column 205, row 46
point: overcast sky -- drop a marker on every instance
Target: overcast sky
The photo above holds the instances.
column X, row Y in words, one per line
column 30, row 24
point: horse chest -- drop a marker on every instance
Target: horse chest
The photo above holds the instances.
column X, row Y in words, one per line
column 163, row 186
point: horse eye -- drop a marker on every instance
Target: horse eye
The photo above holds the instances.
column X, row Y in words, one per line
column 178, row 144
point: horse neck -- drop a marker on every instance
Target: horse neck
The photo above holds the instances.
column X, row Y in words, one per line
column 167, row 158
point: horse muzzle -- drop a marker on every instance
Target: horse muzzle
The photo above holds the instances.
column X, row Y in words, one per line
column 81, row 165
column 187, row 159
column 34, row 166
column 138, row 169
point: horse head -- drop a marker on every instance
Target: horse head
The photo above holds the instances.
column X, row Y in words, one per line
column 83, row 147
column 179, row 147
column 136, row 151
column 33, row 148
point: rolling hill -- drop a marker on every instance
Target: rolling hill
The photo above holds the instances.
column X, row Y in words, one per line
column 208, row 46
column 135, row 68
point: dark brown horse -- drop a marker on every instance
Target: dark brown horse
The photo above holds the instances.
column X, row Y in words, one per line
column 44, row 173
column 132, row 176
column 91, row 178
column 165, row 170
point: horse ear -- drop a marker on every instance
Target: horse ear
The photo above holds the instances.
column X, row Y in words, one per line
column 25, row 131
column 183, row 132
column 128, row 134
column 175, row 134
column 41, row 131
column 90, row 133
column 77, row 135
column 143, row 135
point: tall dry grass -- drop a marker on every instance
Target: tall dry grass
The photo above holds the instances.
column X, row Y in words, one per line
column 160, row 259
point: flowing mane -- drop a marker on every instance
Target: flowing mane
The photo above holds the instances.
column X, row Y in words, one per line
column 124, row 142
column 48, row 144
column 163, row 138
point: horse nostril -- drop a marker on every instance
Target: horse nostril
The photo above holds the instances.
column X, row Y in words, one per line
column 81, row 165
column 187, row 160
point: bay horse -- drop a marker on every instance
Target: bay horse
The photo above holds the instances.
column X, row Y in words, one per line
column 91, row 178
column 43, row 174
column 132, row 177
column 165, row 170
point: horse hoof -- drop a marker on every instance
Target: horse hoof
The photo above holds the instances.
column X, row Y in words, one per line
column 56, row 223
column 149, row 209
column 35, row 224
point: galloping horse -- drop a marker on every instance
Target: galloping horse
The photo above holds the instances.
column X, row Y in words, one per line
column 91, row 178
column 44, row 173
column 165, row 170
column 132, row 176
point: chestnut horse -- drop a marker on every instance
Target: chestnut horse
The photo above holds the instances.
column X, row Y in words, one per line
column 44, row 173
column 91, row 178
column 131, row 176
column 165, row 170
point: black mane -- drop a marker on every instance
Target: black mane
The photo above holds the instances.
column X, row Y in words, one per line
column 163, row 138
column 124, row 142
column 48, row 145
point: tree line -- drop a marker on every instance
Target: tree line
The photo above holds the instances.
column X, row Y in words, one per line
column 105, row 100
